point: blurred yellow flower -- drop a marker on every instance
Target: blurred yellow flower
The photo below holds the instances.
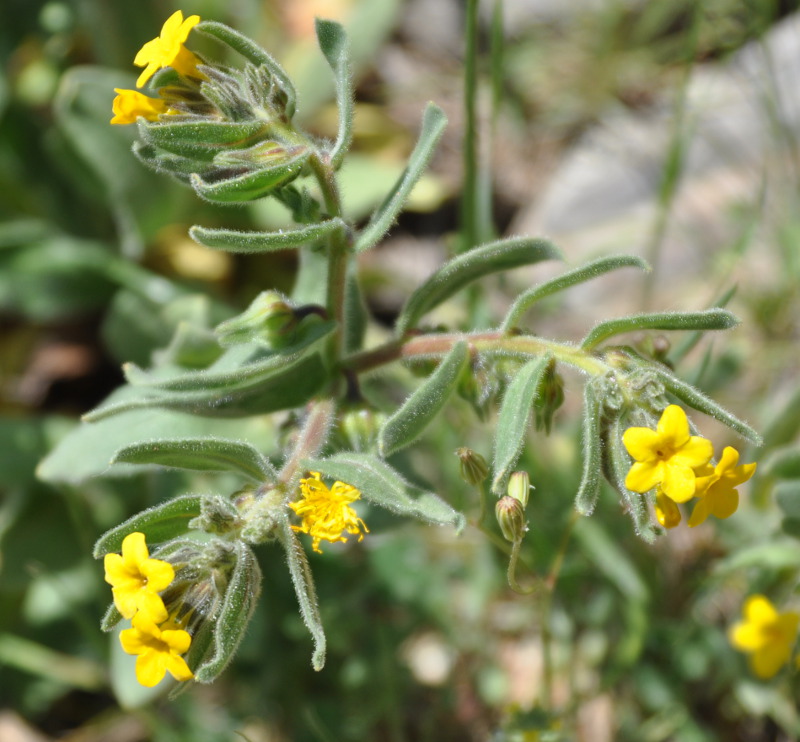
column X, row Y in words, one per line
column 136, row 579
column 159, row 650
column 326, row 513
column 667, row 512
column 130, row 104
column 167, row 50
column 667, row 456
column 716, row 487
column 766, row 635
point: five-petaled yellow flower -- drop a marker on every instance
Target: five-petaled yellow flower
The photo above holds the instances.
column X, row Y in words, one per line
column 666, row 456
column 130, row 104
column 716, row 487
column 136, row 579
column 766, row 635
column 158, row 650
column 167, row 50
column 326, row 513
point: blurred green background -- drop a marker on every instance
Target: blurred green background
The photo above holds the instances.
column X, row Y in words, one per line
column 665, row 128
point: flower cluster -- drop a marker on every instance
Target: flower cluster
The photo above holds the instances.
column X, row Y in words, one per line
column 326, row 513
column 766, row 635
column 166, row 50
column 157, row 638
column 678, row 465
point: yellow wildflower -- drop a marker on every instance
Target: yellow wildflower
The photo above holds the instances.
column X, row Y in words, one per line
column 159, row 650
column 716, row 487
column 326, row 513
column 167, row 50
column 667, row 456
column 766, row 635
column 667, row 512
column 130, row 104
column 136, row 579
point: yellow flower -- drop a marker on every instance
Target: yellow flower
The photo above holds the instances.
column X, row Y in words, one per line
column 667, row 512
column 667, row 456
column 716, row 487
column 159, row 650
column 130, row 104
column 136, row 579
column 766, row 635
column 167, row 50
column 326, row 513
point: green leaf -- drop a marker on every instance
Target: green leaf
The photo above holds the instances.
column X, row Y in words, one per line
column 200, row 454
column 333, row 43
column 462, row 270
column 230, row 624
column 87, row 449
column 170, row 164
column 787, row 495
column 160, row 523
column 688, row 342
column 252, row 185
column 256, row 242
column 245, row 381
column 591, row 477
column 571, row 278
column 433, row 124
column 304, row 588
column 699, row 401
column 381, row 484
column 784, row 425
column 200, row 140
column 708, row 319
column 512, row 423
column 769, row 556
column 255, row 54
column 408, row 422
column 616, row 463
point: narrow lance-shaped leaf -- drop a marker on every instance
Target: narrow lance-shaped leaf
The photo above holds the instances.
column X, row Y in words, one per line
column 304, row 589
column 200, row 454
column 200, row 140
column 408, row 422
column 160, row 523
column 680, row 351
column 241, row 596
column 616, row 464
column 333, row 43
column 254, row 53
column 512, row 423
column 571, row 278
column 379, row 483
column 433, row 124
column 470, row 266
column 256, row 242
column 709, row 319
column 699, row 401
column 591, row 477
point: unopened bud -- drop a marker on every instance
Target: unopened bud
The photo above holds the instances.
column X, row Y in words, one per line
column 668, row 514
column 474, row 469
column 549, row 399
column 360, row 425
column 268, row 318
column 511, row 518
column 519, row 487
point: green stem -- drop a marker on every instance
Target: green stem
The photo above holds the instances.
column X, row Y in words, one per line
column 337, row 248
column 499, row 343
column 512, row 571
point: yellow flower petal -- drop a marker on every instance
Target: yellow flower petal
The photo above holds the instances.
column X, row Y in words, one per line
column 643, row 476
column 167, row 49
column 767, row 661
column 678, row 482
column 641, row 443
column 667, row 512
column 758, row 610
column 723, row 502
column 150, row 668
column 673, row 425
column 700, row 513
column 695, row 452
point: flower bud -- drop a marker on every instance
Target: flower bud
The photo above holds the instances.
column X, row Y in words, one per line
column 511, row 518
column 269, row 318
column 474, row 469
column 360, row 425
column 519, row 487
column 549, row 399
